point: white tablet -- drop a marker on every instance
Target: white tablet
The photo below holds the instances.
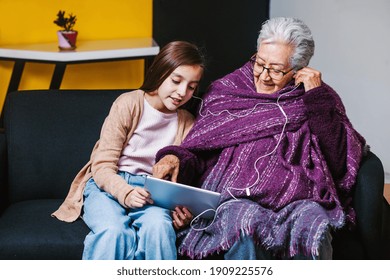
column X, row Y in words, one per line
column 168, row 195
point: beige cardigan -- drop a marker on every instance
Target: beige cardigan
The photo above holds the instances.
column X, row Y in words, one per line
column 116, row 132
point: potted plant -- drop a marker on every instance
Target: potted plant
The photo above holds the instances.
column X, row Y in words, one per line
column 67, row 35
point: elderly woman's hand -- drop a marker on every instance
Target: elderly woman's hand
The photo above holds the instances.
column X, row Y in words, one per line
column 181, row 217
column 167, row 168
column 310, row 78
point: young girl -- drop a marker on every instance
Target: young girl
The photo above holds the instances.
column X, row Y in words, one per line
column 119, row 211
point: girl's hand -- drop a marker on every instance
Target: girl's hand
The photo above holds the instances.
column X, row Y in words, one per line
column 310, row 78
column 181, row 217
column 167, row 168
column 138, row 198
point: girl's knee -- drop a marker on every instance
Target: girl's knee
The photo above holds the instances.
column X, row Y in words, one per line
column 157, row 212
column 158, row 219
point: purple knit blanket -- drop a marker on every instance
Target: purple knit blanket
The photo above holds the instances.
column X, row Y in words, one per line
column 264, row 142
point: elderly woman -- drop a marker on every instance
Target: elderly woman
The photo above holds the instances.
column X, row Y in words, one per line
column 275, row 141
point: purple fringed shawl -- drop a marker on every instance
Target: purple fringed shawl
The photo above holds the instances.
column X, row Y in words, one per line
column 293, row 199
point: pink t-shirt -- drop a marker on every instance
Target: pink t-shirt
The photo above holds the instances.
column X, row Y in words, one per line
column 155, row 130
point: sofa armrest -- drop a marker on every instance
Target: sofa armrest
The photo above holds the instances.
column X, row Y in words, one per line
column 368, row 203
column 3, row 170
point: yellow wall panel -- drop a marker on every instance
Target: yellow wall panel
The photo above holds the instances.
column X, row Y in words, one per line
column 31, row 21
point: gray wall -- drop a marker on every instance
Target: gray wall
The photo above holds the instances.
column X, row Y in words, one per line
column 353, row 53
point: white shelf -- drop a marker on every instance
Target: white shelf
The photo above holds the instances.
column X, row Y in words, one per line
column 85, row 51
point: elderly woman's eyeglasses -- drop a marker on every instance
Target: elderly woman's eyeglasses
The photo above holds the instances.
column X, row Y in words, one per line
column 275, row 74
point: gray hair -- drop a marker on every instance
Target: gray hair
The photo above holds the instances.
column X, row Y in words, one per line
column 292, row 31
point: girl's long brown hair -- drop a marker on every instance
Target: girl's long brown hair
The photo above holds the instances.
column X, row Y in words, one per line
column 171, row 56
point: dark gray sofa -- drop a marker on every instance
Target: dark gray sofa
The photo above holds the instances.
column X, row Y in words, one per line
column 48, row 136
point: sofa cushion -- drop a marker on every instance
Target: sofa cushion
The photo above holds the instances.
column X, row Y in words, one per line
column 50, row 135
column 3, row 171
column 29, row 232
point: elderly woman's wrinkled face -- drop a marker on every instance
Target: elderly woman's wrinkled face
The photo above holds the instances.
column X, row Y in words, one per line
column 272, row 69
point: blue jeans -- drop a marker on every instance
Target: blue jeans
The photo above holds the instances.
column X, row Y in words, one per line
column 245, row 249
column 118, row 233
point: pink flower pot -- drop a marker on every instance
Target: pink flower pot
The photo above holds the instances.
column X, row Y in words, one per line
column 67, row 40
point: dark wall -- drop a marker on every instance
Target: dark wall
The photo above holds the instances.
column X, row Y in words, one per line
column 227, row 29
